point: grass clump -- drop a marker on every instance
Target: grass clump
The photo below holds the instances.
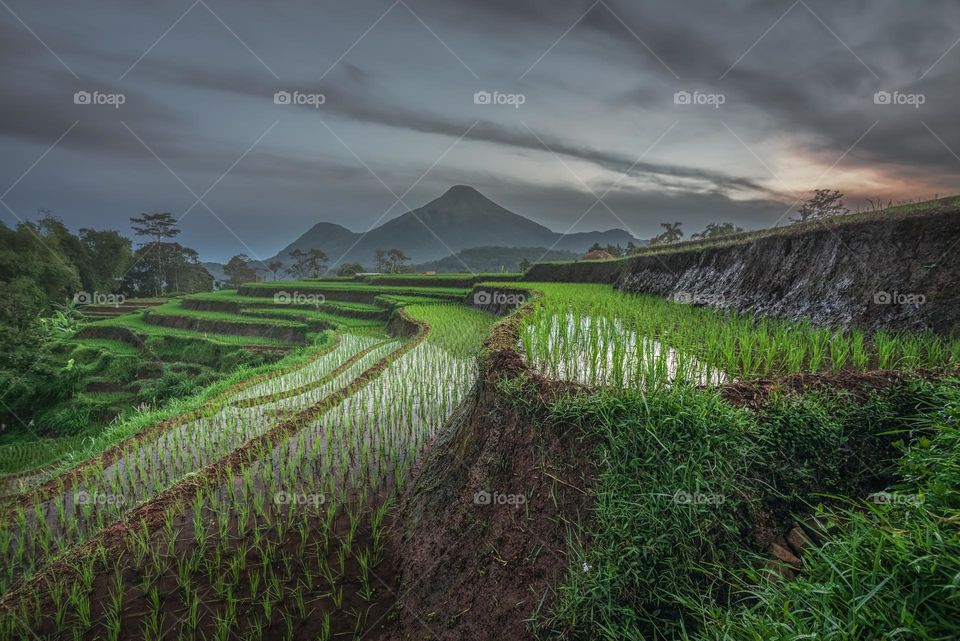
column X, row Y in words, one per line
column 691, row 490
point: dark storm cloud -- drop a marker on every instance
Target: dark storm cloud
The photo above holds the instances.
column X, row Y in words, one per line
column 800, row 78
column 352, row 95
column 199, row 102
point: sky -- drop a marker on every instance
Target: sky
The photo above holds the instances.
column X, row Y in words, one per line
column 250, row 121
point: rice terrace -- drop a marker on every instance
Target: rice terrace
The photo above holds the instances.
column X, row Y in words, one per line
column 280, row 360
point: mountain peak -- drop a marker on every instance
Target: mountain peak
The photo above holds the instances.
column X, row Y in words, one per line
column 461, row 190
column 462, row 218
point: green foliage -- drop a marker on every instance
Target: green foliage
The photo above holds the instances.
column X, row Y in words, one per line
column 894, row 570
column 716, row 230
column 161, row 268
column 349, row 269
column 657, row 567
column 600, row 336
column 239, row 270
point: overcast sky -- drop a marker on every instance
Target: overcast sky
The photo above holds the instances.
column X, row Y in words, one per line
column 782, row 99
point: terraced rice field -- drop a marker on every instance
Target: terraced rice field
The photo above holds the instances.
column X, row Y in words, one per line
column 594, row 335
column 320, row 447
column 268, row 506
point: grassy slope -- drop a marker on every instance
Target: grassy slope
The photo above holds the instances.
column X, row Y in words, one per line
column 233, row 297
column 658, row 567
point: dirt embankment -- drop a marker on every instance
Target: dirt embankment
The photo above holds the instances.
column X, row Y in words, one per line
column 481, row 533
column 257, row 330
column 121, row 334
column 204, row 305
column 343, row 295
column 896, row 274
column 437, row 281
column 499, row 300
column 585, row 271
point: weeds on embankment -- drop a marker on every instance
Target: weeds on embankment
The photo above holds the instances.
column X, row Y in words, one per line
column 690, row 489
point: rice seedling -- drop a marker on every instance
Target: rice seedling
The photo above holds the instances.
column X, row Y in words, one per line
column 323, row 491
column 595, row 335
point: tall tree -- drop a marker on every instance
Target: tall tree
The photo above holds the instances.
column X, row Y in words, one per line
column 110, row 255
column 239, row 271
column 310, row 263
column 671, row 233
column 275, row 267
column 380, row 261
column 159, row 227
column 397, row 260
column 316, row 262
column 181, row 272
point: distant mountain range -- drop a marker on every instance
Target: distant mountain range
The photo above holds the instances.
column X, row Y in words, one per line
column 460, row 219
column 492, row 259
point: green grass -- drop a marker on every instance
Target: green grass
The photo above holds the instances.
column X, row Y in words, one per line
column 139, row 326
column 232, row 297
column 135, row 420
column 118, row 348
column 894, row 570
column 25, row 454
column 598, row 335
column 174, row 308
column 651, row 565
column 458, row 329
column 444, row 276
column 320, row 286
column 308, row 316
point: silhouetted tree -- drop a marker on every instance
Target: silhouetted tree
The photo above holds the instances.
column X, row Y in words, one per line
column 275, row 267
column 397, row 260
column 380, row 261
column 823, row 204
column 349, row 269
column 310, row 263
column 716, row 230
column 239, row 271
column 159, row 227
column 671, row 234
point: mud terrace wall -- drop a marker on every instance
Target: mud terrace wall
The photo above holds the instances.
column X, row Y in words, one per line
column 588, row 271
column 902, row 273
